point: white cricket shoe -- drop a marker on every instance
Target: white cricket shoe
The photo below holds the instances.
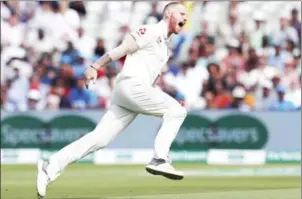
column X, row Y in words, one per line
column 42, row 179
column 164, row 168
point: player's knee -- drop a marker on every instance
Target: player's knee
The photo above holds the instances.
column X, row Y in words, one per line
column 99, row 140
column 101, row 143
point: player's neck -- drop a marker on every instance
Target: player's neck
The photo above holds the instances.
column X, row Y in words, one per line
column 169, row 33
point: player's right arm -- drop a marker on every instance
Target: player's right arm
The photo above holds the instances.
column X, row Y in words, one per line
column 131, row 43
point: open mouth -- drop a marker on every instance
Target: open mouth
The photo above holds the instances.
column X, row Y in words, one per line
column 181, row 24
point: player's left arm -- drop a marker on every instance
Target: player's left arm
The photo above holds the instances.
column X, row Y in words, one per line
column 133, row 41
column 128, row 45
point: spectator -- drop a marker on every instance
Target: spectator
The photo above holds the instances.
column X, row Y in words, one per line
column 215, row 76
column 59, row 21
column 46, row 60
column 277, row 57
column 281, row 104
column 61, row 89
column 194, row 48
column 265, row 97
column 208, row 98
column 238, row 102
column 85, row 44
column 79, row 68
column 17, row 91
column 34, row 100
column 12, row 33
column 294, row 94
column 289, row 47
column 276, row 80
column 262, row 72
column 250, row 99
column 34, row 82
column 290, row 75
column 79, row 7
column 233, row 6
column 221, row 99
column 53, row 102
column 202, row 39
column 231, row 29
column 99, row 50
column 234, row 59
column 27, row 10
column 266, row 46
column 297, row 60
column 206, row 51
column 285, row 32
column 25, row 69
column 49, row 76
column 81, row 98
column 5, row 11
column 40, row 43
column 154, row 16
column 295, row 22
column 70, row 16
column 252, row 60
column 43, row 17
column 256, row 36
column 243, row 43
column 3, row 96
column 70, row 55
column 230, row 80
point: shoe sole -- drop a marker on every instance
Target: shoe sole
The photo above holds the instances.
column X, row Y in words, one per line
column 170, row 176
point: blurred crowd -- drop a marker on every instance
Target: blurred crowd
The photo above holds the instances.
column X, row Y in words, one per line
column 234, row 65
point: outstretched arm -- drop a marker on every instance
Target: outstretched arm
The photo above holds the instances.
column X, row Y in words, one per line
column 128, row 45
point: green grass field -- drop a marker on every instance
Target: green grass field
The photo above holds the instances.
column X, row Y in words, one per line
column 84, row 181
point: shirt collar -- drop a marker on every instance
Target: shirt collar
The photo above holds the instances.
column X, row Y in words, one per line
column 164, row 27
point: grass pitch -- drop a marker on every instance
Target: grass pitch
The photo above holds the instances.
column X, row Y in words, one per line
column 84, row 181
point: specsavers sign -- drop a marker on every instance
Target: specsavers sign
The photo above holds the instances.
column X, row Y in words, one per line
column 22, row 131
column 227, row 132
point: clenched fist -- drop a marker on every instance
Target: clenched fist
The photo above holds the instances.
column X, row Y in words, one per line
column 91, row 74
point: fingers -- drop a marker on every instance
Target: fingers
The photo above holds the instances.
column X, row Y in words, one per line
column 87, row 83
column 182, row 102
column 88, row 79
column 94, row 79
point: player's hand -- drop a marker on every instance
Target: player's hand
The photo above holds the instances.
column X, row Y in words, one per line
column 182, row 102
column 90, row 75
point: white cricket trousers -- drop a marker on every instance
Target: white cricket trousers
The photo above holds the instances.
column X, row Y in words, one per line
column 130, row 97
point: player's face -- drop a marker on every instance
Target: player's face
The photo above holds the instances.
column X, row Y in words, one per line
column 178, row 19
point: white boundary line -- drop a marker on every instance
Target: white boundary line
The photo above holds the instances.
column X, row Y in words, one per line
column 241, row 172
column 273, row 193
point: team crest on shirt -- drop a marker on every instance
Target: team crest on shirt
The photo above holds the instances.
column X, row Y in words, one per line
column 142, row 31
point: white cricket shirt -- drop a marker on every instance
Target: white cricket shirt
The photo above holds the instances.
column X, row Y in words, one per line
column 152, row 55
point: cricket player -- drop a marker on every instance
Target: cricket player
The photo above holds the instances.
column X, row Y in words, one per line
column 147, row 53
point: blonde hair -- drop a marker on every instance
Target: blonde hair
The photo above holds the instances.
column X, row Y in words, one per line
column 172, row 4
